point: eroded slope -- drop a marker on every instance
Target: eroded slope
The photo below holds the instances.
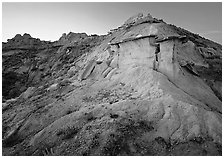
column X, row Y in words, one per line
column 108, row 105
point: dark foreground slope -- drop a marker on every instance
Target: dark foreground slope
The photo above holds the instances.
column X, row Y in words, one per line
column 146, row 88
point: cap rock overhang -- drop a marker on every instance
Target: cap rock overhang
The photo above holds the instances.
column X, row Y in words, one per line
column 182, row 38
column 131, row 39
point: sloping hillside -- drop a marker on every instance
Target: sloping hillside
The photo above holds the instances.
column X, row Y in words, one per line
column 145, row 88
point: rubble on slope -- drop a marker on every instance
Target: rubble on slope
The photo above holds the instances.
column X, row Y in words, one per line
column 23, row 68
column 146, row 88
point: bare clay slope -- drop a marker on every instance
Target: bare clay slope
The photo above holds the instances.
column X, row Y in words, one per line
column 149, row 88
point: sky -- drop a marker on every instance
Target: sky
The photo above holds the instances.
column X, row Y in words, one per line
column 49, row 20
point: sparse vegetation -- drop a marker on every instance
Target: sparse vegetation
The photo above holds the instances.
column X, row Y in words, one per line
column 117, row 142
column 135, row 111
column 68, row 133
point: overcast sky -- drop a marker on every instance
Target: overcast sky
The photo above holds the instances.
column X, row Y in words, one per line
column 48, row 21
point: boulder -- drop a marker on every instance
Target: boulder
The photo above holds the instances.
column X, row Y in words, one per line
column 105, row 73
column 114, row 62
column 72, row 71
column 23, row 88
column 103, row 56
column 42, row 67
column 98, row 70
column 28, row 93
column 23, row 69
column 88, row 69
column 4, row 106
column 52, row 87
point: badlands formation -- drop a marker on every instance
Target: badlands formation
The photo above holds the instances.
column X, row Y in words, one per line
column 145, row 88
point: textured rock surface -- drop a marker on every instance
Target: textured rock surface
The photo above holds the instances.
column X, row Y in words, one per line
column 146, row 88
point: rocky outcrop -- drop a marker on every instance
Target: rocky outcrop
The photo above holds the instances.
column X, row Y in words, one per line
column 29, row 62
column 71, row 37
column 24, row 42
column 177, row 59
column 134, row 18
column 139, row 19
column 146, row 88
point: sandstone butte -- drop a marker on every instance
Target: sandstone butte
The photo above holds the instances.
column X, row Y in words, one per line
column 145, row 88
